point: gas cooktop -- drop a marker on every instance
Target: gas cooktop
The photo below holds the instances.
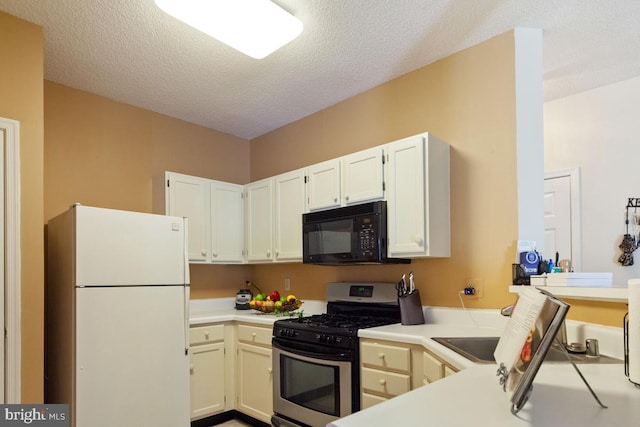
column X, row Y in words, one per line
column 345, row 324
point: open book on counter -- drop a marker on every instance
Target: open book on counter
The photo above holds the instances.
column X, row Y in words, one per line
column 535, row 321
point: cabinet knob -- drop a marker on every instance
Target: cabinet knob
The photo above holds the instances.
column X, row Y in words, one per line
column 206, row 334
column 382, row 381
column 277, row 253
column 253, row 334
column 269, row 370
column 380, row 355
column 203, row 252
column 335, row 200
column 215, row 254
column 269, row 253
column 192, row 367
column 419, row 240
column 346, row 198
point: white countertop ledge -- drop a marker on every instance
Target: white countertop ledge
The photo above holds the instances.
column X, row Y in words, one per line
column 214, row 310
column 474, row 397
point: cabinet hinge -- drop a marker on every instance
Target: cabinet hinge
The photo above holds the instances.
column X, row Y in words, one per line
column 305, row 179
column 384, row 187
column 383, row 161
column 168, row 183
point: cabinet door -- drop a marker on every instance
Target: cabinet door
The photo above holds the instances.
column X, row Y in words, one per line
column 187, row 197
column 207, row 380
column 418, row 205
column 363, row 176
column 255, row 386
column 289, row 206
column 259, row 209
column 406, row 197
column 323, row 185
column 227, row 222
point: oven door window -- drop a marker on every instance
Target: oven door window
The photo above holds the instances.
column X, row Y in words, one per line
column 312, row 385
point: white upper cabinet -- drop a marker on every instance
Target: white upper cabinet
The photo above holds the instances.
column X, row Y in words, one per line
column 323, row 185
column 259, row 220
column 411, row 174
column 417, row 180
column 227, row 222
column 215, row 213
column 363, row 176
column 187, row 196
column 289, row 205
column 274, row 209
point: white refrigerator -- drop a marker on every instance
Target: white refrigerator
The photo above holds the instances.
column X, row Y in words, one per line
column 117, row 299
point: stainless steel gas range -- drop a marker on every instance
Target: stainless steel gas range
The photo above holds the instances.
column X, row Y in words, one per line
column 316, row 359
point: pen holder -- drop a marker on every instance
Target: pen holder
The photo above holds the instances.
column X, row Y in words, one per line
column 411, row 309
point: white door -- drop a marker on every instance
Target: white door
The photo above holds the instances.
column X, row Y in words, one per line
column 558, row 212
column 2, row 258
column 323, row 185
column 363, row 176
column 288, row 209
column 131, row 365
column 227, row 222
column 187, row 197
column 259, row 209
column 116, row 247
column 406, row 197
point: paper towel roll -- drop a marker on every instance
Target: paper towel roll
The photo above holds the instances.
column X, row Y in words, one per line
column 634, row 330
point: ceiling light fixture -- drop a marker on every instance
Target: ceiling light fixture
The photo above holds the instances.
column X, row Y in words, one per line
column 256, row 28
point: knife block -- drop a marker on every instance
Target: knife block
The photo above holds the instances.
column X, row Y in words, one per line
column 411, row 309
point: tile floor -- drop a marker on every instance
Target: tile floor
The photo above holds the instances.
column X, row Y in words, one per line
column 234, row 423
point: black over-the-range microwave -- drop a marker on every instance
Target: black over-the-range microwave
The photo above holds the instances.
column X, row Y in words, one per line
column 349, row 235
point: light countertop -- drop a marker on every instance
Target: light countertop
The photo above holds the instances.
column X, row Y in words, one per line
column 223, row 310
column 473, row 395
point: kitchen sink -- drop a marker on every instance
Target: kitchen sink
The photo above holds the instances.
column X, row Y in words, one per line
column 480, row 350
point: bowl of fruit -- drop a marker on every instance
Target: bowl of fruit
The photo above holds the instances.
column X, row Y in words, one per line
column 274, row 303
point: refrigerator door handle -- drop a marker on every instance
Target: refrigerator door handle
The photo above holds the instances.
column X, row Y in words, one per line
column 186, row 319
column 187, row 280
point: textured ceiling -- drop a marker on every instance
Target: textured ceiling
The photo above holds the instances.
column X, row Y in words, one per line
column 132, row 52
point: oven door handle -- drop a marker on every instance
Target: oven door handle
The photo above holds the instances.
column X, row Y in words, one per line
column 313, row 354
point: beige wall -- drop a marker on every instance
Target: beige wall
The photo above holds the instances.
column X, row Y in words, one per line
column 99, row 152
column 467, row 99
column 21, row 98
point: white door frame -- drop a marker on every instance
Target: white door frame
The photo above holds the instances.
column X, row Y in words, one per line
column 12, row 308
column 576, row 226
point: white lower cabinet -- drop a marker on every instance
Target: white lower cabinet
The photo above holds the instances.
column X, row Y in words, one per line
column 434, row 369
column 389, row 369
column 207, row 370
column 254, row 375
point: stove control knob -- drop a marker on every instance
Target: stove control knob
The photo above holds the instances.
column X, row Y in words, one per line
column 331, row 340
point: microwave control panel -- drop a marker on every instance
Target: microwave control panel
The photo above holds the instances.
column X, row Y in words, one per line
column 367, row 238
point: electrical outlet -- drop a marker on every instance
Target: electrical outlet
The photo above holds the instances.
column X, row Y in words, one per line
column 287, row 284
column 477, row 285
